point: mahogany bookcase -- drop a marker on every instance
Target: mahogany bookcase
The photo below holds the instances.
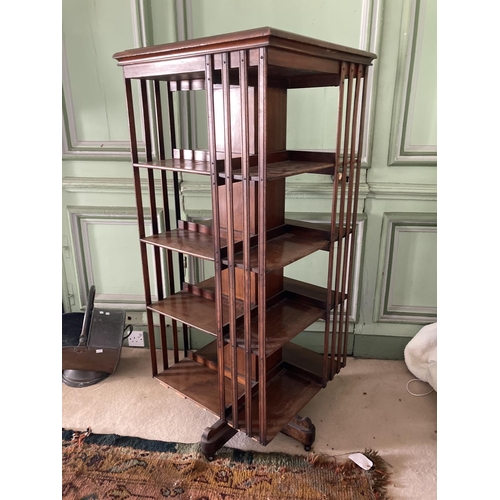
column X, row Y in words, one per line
column 251, row 375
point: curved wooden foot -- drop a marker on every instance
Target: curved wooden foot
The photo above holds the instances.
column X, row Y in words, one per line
column 214, row 438
column 302, row 430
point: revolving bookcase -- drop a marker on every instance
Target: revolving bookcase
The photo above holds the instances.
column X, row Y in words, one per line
column 252, row 375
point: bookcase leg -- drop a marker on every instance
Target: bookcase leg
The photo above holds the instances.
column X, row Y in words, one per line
column 214, row 438
column 302, row 430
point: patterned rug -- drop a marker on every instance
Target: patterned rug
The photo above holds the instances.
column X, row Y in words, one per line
column 111, row 467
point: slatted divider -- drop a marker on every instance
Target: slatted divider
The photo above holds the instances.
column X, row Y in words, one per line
column 214, row 175
column 140, row 219
column 349, row 174
column 245, row 170
column 361, row 81
column 341, row 248
column 228, row 170
column 330, row 342
column 262, row 169
column 166, row 216
column 152, row 202
column 173, row 145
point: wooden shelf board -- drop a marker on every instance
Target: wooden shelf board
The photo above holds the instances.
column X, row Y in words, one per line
column 304, row 362
column 184, row 241
column 286, row 394
column 310, row 294
column 280, row 164
column 194, row 310
column 197, row 383
column 294, row 244
column 284, row 320
column 206, row 355
column 177, row 165
column 283, row 169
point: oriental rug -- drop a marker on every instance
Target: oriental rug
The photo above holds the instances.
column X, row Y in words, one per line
column 112, row 467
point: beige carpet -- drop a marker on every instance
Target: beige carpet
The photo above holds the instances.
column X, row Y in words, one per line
column 365, row 406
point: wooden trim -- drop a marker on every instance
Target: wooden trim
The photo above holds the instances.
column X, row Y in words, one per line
column 254, row 38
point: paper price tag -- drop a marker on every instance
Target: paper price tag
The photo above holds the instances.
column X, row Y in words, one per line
column 361, row 460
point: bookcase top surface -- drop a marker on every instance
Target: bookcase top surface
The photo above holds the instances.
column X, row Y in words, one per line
column 247, row 39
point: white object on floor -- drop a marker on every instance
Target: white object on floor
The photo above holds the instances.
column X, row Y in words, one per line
column 421, row 355
column 361, row 460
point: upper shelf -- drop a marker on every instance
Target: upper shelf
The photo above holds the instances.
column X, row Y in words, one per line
column 280, row 164
column 294, row 60
column 285, row 244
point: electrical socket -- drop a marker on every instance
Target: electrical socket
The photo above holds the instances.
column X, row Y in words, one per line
column 135, row 318
column 136, row 339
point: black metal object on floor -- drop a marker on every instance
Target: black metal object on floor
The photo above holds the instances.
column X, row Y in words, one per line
column 91, row 344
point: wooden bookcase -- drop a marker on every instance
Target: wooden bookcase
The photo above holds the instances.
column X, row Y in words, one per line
column 251, row 375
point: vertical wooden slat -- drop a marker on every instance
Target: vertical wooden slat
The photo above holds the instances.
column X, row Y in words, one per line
column 262, row 174
column 246, row 236
column 362, row 72
column 226, row 100
column 348, row 248
column 166, row 212
column 329, row 294
column 344, row 230
column 140, row 216
column 177, row 205
column 209, row 77
column 152, row 205
column 173, row 144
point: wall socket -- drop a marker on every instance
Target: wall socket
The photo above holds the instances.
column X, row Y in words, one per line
column 135, row 318
column 136, row 339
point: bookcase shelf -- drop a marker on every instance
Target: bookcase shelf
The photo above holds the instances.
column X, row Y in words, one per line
column 249, row 308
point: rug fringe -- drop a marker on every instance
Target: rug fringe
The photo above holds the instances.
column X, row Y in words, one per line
column 379, row 474
column 79, row 436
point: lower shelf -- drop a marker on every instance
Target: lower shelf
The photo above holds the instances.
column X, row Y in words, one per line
column 196, row 382
column 287, row 394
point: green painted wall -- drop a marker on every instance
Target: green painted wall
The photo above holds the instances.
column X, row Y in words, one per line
column 395, row 267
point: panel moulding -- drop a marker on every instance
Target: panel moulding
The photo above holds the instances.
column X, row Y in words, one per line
column 388, row 311
column 81, row 218
column 400, row 151
column 107, row 185
column 72, row 146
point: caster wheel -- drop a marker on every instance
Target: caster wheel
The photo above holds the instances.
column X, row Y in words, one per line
column 307, row 448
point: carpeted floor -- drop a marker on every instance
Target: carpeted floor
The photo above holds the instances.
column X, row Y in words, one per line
column 366, row 406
